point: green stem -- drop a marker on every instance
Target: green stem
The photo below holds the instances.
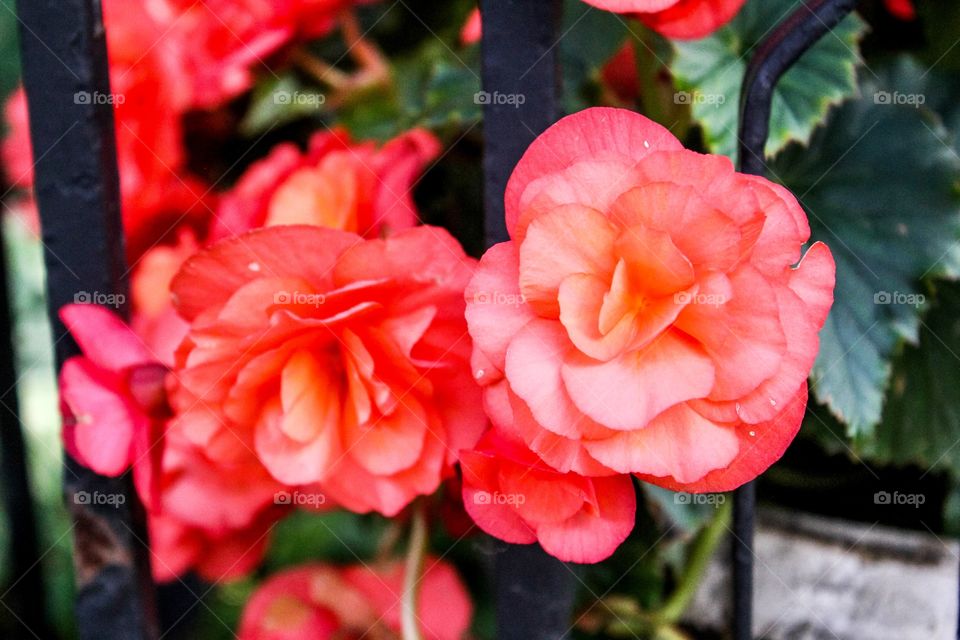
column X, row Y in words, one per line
column 700, row 553
column 670, row 633
column 388, row 541
column 413, row 573
column 648, row 70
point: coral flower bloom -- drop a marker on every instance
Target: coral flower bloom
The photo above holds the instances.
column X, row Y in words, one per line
column 226, row 41
column 317, row 602
column 511, row 494
column 646, row 316
column 338, row 183
column 338, row 360
column 680, row 19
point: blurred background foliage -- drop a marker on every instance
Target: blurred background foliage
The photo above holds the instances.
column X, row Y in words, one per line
column 879, row 178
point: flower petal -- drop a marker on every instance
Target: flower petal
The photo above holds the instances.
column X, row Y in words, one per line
column 104, row 337
column 760, row 446
column 100, row 427
column 594, row 132
column 593, row 535
column 208, row 278
column 569, row 240
column 679, row 443
column 628, row 391
column 495, row 308
column 743, row 334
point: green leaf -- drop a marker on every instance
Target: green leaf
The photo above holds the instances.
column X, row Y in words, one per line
column 434, row 87
column 306, row 536
column 438, row 86
column 278, row 100
column 921, row 422
column 9, row 48
column 683, row 512
column 709, row 75
column 879, row 185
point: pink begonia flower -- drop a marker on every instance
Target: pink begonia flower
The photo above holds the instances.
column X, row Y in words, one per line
column 652, row 313
column 511, row 494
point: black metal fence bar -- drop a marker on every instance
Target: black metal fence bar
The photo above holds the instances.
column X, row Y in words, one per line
column 773, row 58
column 65, row 74
column 520, row 57
column 744, row 513
column 534, row 592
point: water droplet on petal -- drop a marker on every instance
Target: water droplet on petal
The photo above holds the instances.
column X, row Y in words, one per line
column 254, row 266
column 773, row 402
column 479, row 374
column 646, row 145
column 753, row 434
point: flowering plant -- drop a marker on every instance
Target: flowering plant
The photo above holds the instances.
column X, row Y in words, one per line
column 325, row 381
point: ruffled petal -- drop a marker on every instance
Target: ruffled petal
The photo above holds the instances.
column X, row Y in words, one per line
column 599, row 131
column 628, row 391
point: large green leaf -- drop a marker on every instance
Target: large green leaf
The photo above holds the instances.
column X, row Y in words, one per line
column 709, row 75
column 879, row 184
column 921, row 422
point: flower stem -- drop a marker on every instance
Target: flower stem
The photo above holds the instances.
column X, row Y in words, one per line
column 375, row 68
column 700, row 553
column 413, row 572
column 320, row 70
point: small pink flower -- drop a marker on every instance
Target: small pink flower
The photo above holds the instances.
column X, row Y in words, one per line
column 320, row 602
column 113, row 398
column 511, row 494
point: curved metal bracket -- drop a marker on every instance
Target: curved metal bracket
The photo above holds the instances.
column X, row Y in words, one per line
column 773, row 58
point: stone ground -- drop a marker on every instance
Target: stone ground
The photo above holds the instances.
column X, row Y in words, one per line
column 827, row 579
